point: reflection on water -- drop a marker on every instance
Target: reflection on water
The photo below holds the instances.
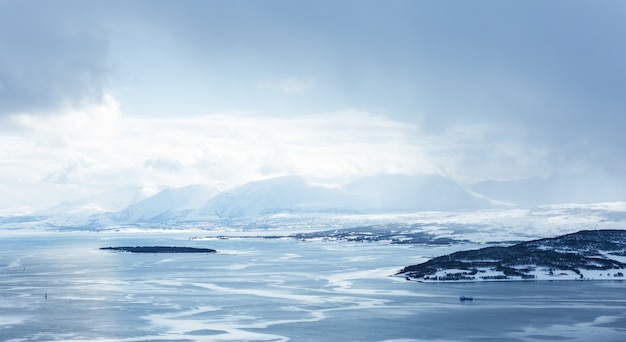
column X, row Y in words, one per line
column 276, row 290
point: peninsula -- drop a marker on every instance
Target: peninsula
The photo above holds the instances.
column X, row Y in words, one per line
column 588, row 254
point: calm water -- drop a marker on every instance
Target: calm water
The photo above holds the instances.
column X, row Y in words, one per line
column 276, row 290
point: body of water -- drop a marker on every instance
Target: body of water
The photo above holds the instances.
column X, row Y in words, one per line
column 60, row 286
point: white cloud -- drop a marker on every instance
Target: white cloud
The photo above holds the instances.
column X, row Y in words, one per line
column 476, row 152
column 81, row 152
column 236, row 147
column 91, row 123
column 96, row 148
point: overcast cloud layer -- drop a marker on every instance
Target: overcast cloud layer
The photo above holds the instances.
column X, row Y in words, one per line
column 96, row 95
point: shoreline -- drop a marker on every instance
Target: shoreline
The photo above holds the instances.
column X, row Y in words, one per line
column 587, row 275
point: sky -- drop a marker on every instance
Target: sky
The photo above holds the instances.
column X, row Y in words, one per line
column 99, row 95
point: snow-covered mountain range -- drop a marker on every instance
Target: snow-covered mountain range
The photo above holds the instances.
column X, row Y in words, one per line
column 278, row 195
column 378, row 194
column 261, row 203
column 282, row 195
column 167, row 205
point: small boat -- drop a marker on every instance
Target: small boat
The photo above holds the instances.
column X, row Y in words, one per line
column 464, row 298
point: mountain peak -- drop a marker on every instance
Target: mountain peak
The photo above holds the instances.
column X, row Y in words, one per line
column 171, row 203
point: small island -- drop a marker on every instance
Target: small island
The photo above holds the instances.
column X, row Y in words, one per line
column 588, row 254
column 159, row 249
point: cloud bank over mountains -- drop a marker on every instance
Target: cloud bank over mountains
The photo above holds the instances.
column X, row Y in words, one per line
column 85, row 153
column 102, row 95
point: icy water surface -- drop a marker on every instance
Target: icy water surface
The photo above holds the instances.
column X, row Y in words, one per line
column 276, row 290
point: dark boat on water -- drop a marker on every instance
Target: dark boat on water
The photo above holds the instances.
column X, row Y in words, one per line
column 465, row 298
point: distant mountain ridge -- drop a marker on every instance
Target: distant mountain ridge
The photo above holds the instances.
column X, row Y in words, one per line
column 85, row 210
column 169, row 204
column 377, row 194
column 272, row 196
column 197, row 204
column 289, row 194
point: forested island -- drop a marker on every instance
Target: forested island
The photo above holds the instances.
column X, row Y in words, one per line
column 159, row 249
column 588, row 254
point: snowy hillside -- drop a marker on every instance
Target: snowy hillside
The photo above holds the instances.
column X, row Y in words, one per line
column 112, row 200
column 378, row 194
column 277, row 195
column 433, row 203
column 82, row 211
column 167, row 205
column 588, row 254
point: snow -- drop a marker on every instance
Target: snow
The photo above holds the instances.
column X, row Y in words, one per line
column 619, row 258
column 167, row 205
column 272, row 197
column 290, row 204
column 540, row 274
column 81, row 211
column 482, row 226
column 113, row 200
column 387, row 193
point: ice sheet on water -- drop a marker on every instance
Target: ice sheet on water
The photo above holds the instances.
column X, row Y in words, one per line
column 272, row 290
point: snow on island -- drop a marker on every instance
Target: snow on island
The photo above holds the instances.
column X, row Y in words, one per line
column 588, row 254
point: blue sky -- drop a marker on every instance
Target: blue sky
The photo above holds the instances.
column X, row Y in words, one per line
column 102, row 94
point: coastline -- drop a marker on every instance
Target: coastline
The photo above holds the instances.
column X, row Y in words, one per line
column 448, row 276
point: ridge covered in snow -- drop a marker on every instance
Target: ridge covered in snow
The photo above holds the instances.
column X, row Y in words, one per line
column 278, row 195
column 167, row 205
column 377, row 194
column 430, row 202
